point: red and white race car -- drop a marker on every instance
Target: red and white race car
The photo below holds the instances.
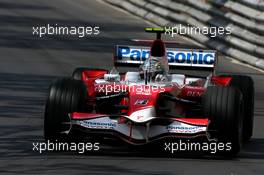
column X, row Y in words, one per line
column 152, row 104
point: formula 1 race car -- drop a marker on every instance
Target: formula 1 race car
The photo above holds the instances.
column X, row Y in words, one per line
column 151, row 104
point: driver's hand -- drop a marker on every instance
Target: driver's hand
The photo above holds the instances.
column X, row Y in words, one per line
column 160, row 78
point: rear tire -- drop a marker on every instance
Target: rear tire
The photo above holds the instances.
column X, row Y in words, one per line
column 65, row 96
column 223, row 106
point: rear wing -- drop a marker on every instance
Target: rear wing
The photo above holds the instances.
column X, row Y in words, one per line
column 177, row 57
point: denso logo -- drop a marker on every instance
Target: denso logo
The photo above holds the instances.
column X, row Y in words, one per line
column 175, row 57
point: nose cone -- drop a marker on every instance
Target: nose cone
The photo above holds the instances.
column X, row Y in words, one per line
column 142, row 96
column 142, row 103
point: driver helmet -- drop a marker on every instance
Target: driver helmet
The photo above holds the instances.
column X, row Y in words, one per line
column 154, row 66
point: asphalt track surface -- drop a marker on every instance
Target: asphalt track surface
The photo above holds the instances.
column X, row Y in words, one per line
column 28, row 64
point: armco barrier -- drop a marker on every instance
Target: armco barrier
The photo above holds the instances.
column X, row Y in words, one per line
column 246, row 43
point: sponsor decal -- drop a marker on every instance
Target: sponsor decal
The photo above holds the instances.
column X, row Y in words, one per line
column 140, row 117
column 181, row 57
column 133, row 53
column 97, row 125
column 194, row 94
column 141, row 102
column 177, row 127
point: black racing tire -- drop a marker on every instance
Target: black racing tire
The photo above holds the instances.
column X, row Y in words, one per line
column 65, row 96
column 223, row 106
column 246, row 85
column 77, row 73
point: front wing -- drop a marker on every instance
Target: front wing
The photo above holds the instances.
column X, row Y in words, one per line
column 139, row 133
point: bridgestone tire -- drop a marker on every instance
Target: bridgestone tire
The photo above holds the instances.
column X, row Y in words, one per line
column 65, row 96
column 224, row 108
column 246, row 85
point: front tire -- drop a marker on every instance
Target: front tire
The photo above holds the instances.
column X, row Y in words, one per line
column 246, row 85
column 65, row 96
column 223, row 106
